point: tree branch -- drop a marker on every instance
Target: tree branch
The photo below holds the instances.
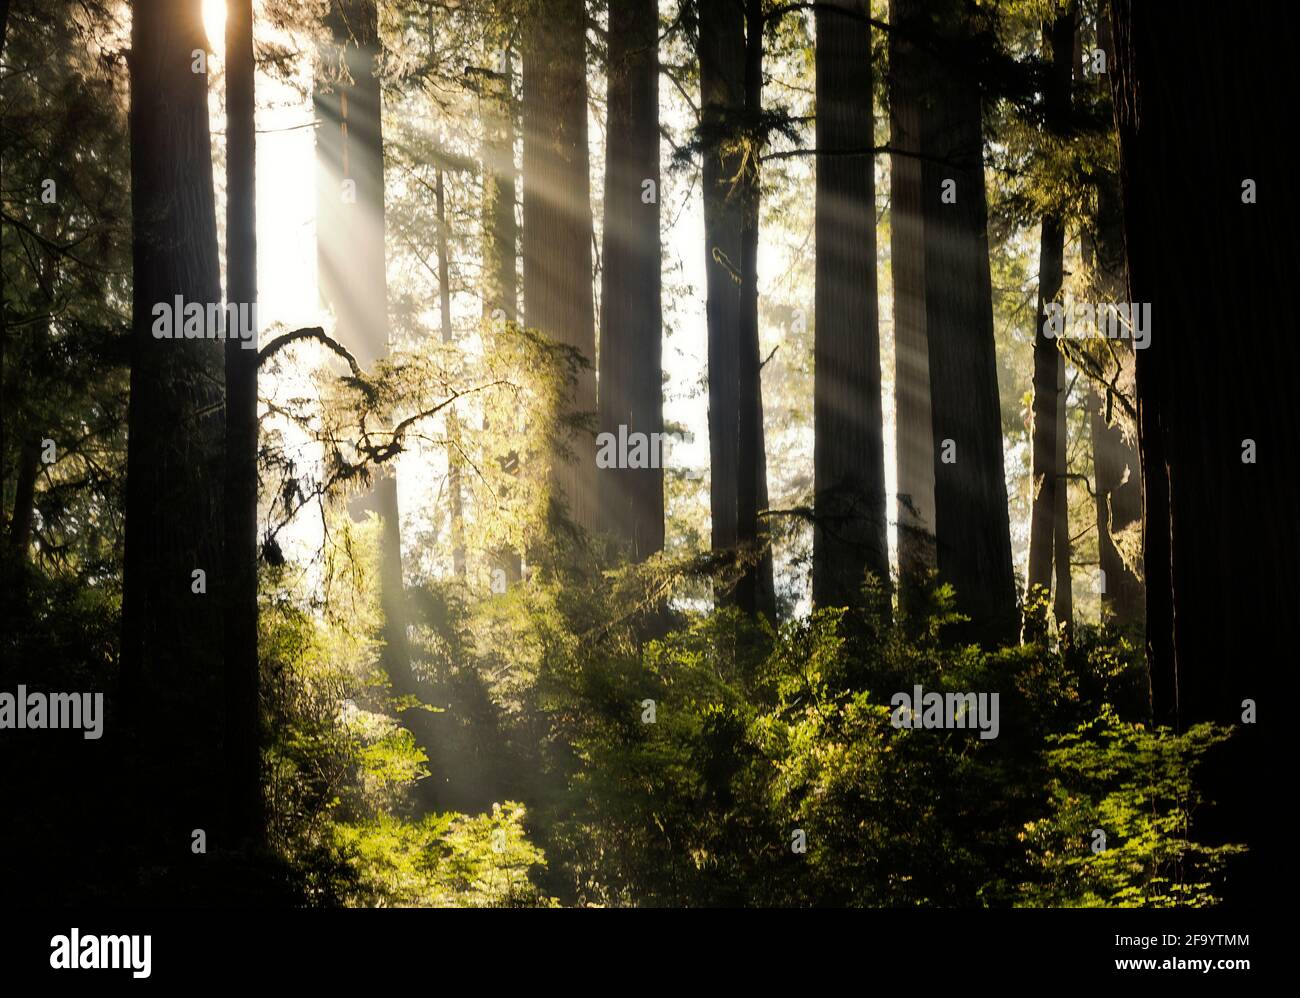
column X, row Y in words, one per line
column 308, row 333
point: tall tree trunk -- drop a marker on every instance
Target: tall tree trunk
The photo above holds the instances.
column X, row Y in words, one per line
column 557, row 234
column 756, row 591
column 1063, row 597
column 1046, row 391
column 915, row 435
column 849, row 537
column 1117, row 486
column 4, row 346
column 352, row 264
column 1048, row 405
column 972, row 527
column 453, row 424
column 722, row 96
column 631, row 344
column 500, row 230
column 243, row 759
column 1213, row 383
column 171, row 632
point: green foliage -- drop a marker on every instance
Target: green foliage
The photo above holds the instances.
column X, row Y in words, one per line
column 342, row 771
column 1135, row 784
column 443, row 860
column 758, row 732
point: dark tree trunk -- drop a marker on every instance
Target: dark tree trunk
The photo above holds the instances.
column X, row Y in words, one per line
column 756, row 592
column 352, row 265
column 722, row 98
column 557, row 233
column 1042, row 517
column 243, row 758
column 1063, row 597
column 916, row 553
column 849, row 536
column 631, row 347
column 1220, row 534
column 972, row 528
column 171, row 635
column 1117, row 485
column 1049, row 485
column 4, row 346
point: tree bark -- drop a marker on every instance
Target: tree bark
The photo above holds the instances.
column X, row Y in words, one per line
column 557, row 235
column 972, row 528
column 171, row 634
column 1117, row 486
column 849, row 534
column 722, row 96
column 1063, row 597
column 756, row 590
column 1220, row 532
column 243, row 757
column 915, row 436
column 631, row 345
column 500, row 229
column 1049, row 483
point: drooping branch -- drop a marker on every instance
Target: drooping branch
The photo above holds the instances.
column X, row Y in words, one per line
column 308, row 333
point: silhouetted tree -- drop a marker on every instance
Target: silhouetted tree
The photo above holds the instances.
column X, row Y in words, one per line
column 172, row 619
column 1218, row 430
column 631, row 340
column 849, row 452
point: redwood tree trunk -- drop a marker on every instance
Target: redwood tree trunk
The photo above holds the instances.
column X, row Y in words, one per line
column 722, row 96
column 500, row 282
column 243, row 758
column 972, row 528
column 756, row 592
column 1042, row 517
column 171, row 635
column 1049, row 485
column 557, row 233
column 1117, row 472
column 849, row 536
column 915, row 438
column 1220, row 533
column 1063, row 597
column 631, row 347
